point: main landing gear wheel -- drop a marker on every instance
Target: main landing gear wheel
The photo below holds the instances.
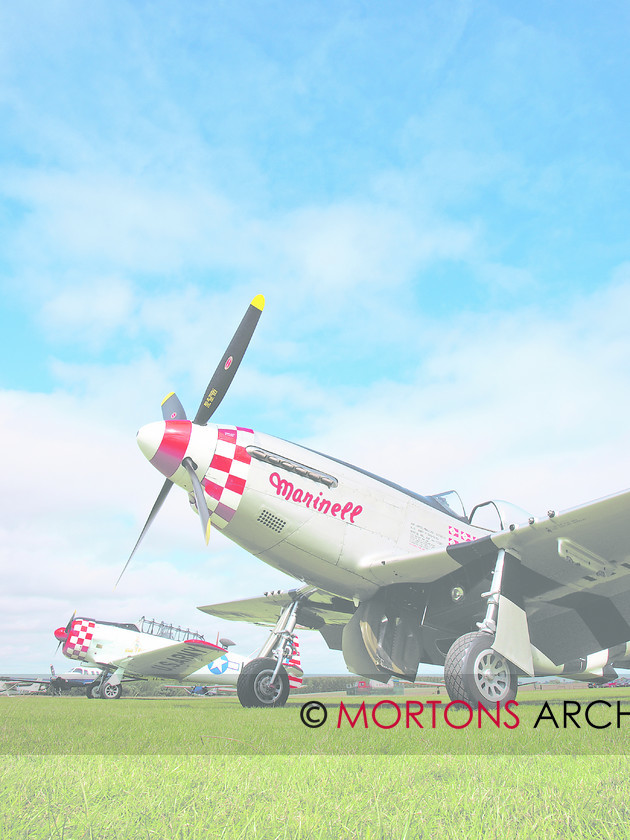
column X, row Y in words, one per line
column 254, row 686
column 475, row 673
column 93, row 691
column 111, row 691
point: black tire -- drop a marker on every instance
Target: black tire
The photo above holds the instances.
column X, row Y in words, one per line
column 474, row 673
column 111, row 691
column 93, row 691
column 453, row 668
column 253, row 687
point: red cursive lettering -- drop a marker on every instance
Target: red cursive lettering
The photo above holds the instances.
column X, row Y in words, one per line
column 290, row 492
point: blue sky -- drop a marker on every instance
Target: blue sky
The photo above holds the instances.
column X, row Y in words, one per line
column 433, row 198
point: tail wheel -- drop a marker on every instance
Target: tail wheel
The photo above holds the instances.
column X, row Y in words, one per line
column 475, row 673
column 254, row 687
column 111, row 691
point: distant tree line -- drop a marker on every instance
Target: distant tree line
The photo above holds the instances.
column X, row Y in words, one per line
column 311, row 685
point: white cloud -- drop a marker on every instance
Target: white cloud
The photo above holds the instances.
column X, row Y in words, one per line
column 118, row 220
column 528, row 404
column 89, row 314
column 342, row 247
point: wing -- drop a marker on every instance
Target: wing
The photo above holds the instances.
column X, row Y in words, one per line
column 584, row 548
column 175, row 661
column 318, row 610
column 265, row 611
column 572, row 577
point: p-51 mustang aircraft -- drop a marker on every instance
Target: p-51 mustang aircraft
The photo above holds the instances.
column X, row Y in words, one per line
column 126, row 652
column 393, row 578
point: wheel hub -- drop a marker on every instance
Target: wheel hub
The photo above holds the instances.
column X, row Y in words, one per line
column 264, row 688
column 492, row 675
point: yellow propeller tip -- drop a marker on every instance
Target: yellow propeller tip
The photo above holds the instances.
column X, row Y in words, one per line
column 208, row 532
column 167, row 397
column 259, row 302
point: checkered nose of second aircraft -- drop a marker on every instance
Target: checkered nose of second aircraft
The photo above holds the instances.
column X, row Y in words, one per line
column 165, row 444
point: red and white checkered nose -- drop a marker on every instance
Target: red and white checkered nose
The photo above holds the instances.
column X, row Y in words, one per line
column 79, row 638
column 219, row 454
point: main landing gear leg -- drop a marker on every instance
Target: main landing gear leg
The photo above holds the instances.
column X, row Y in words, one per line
column 264, row 682
column 105, row 687
column 111, row 688
column 474, row 672
column 93, row 689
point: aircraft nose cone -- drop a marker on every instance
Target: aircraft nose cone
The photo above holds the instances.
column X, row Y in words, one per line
column 149, row 438
column 164, row 444
column 60, row 634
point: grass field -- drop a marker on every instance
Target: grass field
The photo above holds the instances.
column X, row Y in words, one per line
column 73, row 768
column 309, row 798
column 210, row 726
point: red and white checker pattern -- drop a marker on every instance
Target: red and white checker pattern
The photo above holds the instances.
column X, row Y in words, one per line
column 227, row 474
column 79, row 638
column 456, row 535
column 295, row 682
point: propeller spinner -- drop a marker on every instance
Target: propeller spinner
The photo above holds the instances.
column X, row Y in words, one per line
column 61, row 633
column 175, row 430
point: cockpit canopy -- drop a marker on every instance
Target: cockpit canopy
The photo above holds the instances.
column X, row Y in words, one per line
column 451, row 503
column 494, row 515
column 498, row 515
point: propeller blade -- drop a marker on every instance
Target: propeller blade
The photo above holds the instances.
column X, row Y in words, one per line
column 224, row 374
column 204, row 513
column 172, row 409
column 154, row 511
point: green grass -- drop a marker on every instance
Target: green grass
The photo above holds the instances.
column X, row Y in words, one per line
column 74, row 769
column 219, row 726
column 282, row 797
